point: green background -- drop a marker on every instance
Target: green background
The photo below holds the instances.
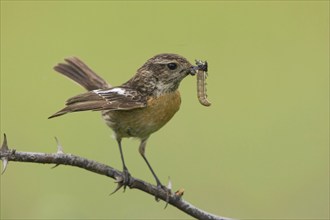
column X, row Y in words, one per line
column 259, row 152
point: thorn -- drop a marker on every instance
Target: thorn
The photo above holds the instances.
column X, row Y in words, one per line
column 4, row 163
column 169, row 184
column 4, row 146
column 59, row 147
column 4, row 149
column 166, row 203
column 119, row 181
column 56, row 165
column 168, row 191
column 168, row 194
column 59, row 151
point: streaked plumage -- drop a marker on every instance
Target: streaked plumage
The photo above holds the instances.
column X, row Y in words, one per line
column 137, row 108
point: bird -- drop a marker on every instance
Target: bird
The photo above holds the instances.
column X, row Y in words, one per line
column 138, row 107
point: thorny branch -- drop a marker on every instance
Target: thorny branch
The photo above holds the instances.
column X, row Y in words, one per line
column 60, row 158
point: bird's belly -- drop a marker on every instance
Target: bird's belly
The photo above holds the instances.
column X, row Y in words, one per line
column 143, row 121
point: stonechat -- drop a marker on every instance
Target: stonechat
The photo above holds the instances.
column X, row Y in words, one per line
column 137, row 108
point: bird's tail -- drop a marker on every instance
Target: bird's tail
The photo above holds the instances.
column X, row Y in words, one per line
column 79, row 72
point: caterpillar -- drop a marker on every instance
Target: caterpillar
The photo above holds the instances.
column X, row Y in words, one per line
column 201, row 82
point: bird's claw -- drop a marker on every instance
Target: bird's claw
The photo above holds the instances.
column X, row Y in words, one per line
column 122, row 181
column 167, row 191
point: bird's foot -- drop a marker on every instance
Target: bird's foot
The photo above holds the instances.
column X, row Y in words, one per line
column 122, row 181
column 167, row 191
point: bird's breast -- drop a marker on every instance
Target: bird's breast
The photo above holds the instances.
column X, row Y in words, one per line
column 142, row 122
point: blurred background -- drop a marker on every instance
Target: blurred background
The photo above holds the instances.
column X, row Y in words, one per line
column 259, row 152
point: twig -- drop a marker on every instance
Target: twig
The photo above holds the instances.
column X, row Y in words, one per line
column 61, row 158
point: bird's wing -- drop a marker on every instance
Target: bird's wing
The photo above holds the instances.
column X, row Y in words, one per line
column 116, row 98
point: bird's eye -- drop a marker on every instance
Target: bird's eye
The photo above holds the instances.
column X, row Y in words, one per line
column 172, row 66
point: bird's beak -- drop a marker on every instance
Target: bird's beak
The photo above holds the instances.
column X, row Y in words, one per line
column 200, row 65
column 193, row 70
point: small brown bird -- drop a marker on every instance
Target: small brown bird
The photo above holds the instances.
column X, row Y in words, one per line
column 137, row 108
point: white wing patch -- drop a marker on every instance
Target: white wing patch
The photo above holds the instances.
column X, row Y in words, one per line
column 119, row 91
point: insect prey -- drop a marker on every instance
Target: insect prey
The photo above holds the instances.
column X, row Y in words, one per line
column 201, row 82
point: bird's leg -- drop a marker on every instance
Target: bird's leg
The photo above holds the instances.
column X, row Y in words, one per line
column 159, row 184
column 125, row 180
column 126, row 175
